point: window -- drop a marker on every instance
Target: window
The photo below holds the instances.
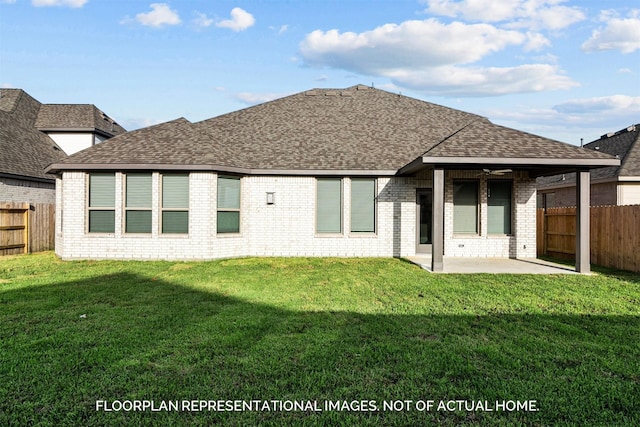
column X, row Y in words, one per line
column 175, row 204
column 138, row 203
column 465, row 207
column 102, row 202
column 228, row 204
column 329, row 205
column 363, row 205
column 499, row 207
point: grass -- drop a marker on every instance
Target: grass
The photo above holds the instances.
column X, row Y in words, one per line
column 325, row 329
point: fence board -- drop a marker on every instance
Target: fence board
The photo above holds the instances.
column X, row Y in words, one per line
column 26, row 228
column 614, row 235
column 14, row 228
column 42, row 225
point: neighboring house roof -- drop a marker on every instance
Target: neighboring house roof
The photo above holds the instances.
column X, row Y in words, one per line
column 624, row 144
column 357, row 130
column 24, row 151
column 76, row 117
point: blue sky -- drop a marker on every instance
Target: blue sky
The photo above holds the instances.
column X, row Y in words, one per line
column 562, row 69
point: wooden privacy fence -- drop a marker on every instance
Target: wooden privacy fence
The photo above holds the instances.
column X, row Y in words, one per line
column 26, row 227
column 614, row 235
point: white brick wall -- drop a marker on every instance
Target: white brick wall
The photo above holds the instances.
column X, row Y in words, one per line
column 286, row 228
column 522, row 242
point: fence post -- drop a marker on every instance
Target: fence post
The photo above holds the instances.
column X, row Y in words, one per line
column 26, row 228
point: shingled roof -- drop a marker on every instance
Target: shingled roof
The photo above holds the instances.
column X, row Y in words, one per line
column 76, row 117
column 357, row 130
column 624, row 144
column 24, row 151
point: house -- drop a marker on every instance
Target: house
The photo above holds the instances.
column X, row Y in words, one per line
column 75, row 127
column 326, row 172
column 34, row 135
column 613, row 185
column 24, row 151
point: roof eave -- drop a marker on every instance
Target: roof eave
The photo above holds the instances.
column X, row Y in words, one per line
column 60, row 167
column 28, row 178
column 522, row 161
column 73, row 130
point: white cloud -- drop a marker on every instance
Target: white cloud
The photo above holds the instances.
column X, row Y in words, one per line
column 569, row 121
column 531, row 14
column 251, row 98
column 69, row 3
column 160, row 15
column 280, row 30
column 425, row 43
column 601, row 105
column 202, row 20
column 240, row 20
column 625, row 71
column 7, row 1
column 621, row 34
column 483, row 81
column 139, row 123
column 536, row 41
column 435, row 58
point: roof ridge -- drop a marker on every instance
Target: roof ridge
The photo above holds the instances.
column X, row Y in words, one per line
column 466, row 125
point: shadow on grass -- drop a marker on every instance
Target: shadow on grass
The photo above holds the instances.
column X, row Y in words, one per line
column 611, row 272
column 127, row 337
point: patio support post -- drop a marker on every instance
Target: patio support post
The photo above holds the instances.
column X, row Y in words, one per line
column 437, row 247
column 583, row 188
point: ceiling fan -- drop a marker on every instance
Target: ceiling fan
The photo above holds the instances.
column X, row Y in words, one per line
column 498, row 172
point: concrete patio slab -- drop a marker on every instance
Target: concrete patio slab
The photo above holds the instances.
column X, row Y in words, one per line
column 494, row 265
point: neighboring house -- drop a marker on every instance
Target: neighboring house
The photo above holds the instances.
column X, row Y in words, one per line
column 326, row 172
column 614, row 185
column 34, row 135
column 75, row 127
column 24, row 151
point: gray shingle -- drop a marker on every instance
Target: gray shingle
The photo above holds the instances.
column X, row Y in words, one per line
column 76, row 116
column 24, row 151
column 625, row 144
column 358, row 128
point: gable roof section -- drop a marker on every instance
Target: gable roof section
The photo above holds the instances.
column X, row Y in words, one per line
column 624, row 144
column 76, row 117
column 358, row 130
column 24, row 151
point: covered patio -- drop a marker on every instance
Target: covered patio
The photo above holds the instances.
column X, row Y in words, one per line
column 459, row 265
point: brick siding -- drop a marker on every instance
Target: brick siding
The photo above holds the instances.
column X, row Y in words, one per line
column 18, row 190
column 285, row 228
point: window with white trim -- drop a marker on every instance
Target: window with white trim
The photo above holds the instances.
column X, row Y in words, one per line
column 137, row 216
column 499, row 194
column 363, row 205
column 175, row 204
column 102, row 201
column 465, row 206
column 329, row 205
column 228, row 214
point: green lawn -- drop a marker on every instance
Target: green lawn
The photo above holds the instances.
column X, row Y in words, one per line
column 313, row 330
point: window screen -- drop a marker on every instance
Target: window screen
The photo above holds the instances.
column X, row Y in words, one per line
column 228, row 215
column 329, row 205
column 175, row 204
column 102, row 200
column 465, row 207
column 499, row 207
column 363, row 205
